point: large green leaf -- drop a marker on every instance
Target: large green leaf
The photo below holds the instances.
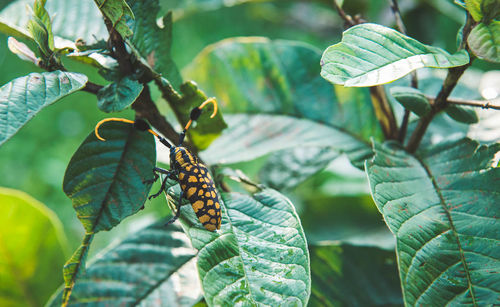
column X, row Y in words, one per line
column 118, row 95
column 348, row 275
column 105, row 179
column 287, row 168
column 442, row 205
column 153, row 267
column 116, row 11
column 106, row 183
column 257, row 75
column 22, row 98
column 371, row 54
column 33, row 246
column 75, row 19
column 258, row 257
column 251, row 136
column 484, row 41
column 152, row 42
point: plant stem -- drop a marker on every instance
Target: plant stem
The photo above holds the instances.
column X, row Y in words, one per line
column 414, row 81
column 483, row 104
column 440, row 103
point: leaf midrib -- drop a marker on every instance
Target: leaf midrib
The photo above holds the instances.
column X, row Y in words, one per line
column 452, row 228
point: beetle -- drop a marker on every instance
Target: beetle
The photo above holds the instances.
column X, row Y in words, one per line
column 197, row 185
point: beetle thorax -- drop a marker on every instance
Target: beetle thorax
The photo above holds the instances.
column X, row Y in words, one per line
column 181, row 157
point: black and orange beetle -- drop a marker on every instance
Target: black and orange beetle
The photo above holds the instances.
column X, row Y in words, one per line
column 197, row 185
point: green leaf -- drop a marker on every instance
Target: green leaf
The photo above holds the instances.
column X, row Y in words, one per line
column 287, row 168
column 88, row 25
column 474, row 8
column 442, row 205
column 251, row 136
column 106, row 182
column 116, row 11
column 371, row 54
column 40, row 12
column 461, row 3
column 40, row 34
column 257, row 75
column 75, row 266
column 155, row 265
column 412, row 99
column 348, row 275
column 105, row 179
column 152, row 42
column 484, row 41
column 259, row 256
column 118, row 95
column 206, row 129
column 490, row 10
column 22, row 98
column 462, row 114
column 33, row 245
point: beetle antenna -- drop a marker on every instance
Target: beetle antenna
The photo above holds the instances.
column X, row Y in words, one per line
column 195, row 114
column 139, row 124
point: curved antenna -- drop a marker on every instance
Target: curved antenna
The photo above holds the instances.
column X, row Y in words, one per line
column 124, row 120
column 195, row 113
column 212, row 101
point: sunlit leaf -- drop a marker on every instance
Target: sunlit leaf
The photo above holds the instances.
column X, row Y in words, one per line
column 22, row 98
column 153, row 267
column 474, row 8
column 259, row 256
column 442, row 206
column 33, row 246
column 116, row 11
column 348, row 275
column 152, row 42
column 484, row 41
column 371, row 54
column 105, row 179
column 118, row 95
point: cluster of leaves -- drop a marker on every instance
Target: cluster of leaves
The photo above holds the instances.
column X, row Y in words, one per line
column 439, row 201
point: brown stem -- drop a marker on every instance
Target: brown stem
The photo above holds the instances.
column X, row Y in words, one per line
column 348, row 19
column 449, row 84
column 92, row 88
column 440, row 104
column 484, row 104
column 383, row 112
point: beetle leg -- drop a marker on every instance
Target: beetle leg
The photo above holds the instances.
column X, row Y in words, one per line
column 178, row 212
column 157, row 170
column 169, row 174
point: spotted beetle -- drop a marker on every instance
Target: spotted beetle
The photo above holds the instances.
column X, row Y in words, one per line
column 197, row 185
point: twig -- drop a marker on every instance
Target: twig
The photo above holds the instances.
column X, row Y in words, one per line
column 144, row 105
column 440, row 102
column 483, row 104
column 92, row 88
column 348, row 19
